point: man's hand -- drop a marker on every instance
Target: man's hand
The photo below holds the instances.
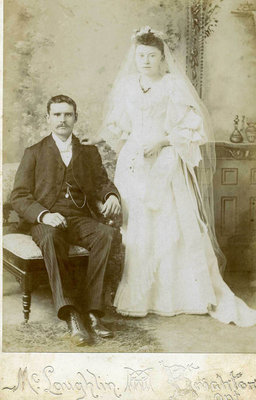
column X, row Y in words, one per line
column 111, row 207
column 91, row 141
column 54, row 219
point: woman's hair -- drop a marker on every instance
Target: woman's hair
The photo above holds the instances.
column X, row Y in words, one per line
column 149, row 39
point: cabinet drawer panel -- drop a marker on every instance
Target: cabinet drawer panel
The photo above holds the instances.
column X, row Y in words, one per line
column 253, row 176
column 229, row 176
column 228, row 215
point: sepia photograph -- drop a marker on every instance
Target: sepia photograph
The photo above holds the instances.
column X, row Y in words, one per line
column 129, row 181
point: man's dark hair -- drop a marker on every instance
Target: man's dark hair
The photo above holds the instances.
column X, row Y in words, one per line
column 61, row 98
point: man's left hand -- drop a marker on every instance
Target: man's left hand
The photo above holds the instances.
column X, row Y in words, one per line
column 111, row 207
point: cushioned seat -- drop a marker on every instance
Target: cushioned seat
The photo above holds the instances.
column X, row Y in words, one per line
column 24, row 247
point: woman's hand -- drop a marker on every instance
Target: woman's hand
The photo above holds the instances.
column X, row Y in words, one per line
column 152, row 149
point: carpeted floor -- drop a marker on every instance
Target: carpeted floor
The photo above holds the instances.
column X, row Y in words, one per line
column 182, row 333
column 51, row 337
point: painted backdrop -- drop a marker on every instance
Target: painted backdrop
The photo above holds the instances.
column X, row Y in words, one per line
column 76, row 47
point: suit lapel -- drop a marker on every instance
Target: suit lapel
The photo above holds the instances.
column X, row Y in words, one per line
column 81, row 169
column 76, row 148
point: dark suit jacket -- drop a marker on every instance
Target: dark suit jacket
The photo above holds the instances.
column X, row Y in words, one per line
column 41, row 172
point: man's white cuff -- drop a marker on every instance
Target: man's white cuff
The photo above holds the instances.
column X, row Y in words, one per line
column 39, row 217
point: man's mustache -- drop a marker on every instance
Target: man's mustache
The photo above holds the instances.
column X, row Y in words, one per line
column 62, row 126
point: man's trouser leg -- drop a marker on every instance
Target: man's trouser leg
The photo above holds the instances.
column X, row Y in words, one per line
column 54, row 247
column 97, row 238
column 87, row 290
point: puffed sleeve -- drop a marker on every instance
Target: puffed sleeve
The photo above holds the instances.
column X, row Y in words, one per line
column 117, row 125
column 184, row 129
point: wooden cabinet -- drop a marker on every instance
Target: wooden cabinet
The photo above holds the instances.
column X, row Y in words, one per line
column 235, row 204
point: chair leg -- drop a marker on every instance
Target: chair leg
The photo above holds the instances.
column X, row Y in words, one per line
column 26, row 298
column 26, row 301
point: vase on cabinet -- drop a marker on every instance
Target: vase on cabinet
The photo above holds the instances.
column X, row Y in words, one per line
column 250, row 132
column 236, row 136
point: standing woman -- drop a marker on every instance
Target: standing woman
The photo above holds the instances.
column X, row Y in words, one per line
column 156, row 122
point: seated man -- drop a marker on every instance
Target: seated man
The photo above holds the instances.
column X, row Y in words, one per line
column 56, row 181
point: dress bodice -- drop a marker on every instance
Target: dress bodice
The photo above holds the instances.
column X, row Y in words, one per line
column 147, row 118
column 146, row 112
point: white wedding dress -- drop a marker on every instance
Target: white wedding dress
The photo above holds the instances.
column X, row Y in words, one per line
column 170, row 266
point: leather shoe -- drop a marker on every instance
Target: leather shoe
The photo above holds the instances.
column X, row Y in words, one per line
column 79, row 335
column 98, row 328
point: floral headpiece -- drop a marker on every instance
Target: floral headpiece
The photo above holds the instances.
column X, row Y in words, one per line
column 145, row 30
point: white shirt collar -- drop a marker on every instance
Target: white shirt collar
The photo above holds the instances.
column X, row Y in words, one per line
column 60, row 144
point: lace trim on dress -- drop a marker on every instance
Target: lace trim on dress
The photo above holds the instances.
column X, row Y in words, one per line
column 161, row 313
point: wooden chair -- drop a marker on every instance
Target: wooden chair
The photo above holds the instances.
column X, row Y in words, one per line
column 21, row 256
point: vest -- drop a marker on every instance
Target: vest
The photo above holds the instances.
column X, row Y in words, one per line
column 70, row 200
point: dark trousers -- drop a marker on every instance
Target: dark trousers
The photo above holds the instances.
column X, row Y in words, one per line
column 84, row 292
